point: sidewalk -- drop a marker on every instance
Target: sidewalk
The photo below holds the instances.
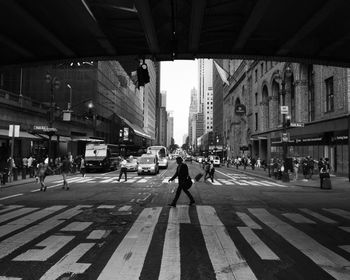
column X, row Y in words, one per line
column 337, row 181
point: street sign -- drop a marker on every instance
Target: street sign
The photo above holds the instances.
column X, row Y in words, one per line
column 284, row 110
column 14, row 130
column 44, row 128
column 297, row 124
column 240, row 109
column 285, row 137
column 67, row 115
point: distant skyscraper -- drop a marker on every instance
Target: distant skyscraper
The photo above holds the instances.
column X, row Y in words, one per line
column 163, row 120
column 163, row 98
column 184, row 137
column 191, row 118
column 170, row 128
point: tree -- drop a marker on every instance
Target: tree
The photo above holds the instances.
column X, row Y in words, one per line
column 173, row 147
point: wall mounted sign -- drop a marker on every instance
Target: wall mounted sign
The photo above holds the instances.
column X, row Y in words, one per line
column 240, row 109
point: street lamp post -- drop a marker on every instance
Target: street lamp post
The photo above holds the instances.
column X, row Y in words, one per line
column 54, row 84
column 69, row 106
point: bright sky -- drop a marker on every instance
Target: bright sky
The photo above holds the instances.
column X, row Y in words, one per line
column 177, row 78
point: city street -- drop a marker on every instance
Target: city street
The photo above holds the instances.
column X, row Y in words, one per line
column 241, row 227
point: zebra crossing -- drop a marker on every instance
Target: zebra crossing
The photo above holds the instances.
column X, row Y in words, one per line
column 105, row 179
column 66, row 245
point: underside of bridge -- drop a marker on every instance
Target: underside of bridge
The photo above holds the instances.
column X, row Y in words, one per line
column 37, row 31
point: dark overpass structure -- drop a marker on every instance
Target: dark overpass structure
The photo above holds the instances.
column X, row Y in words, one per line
column 312, row 31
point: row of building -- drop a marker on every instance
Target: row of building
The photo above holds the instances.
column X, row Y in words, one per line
column 243, row 103
column 61, row 107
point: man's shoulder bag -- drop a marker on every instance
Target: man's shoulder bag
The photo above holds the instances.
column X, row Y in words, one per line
column 188, row 183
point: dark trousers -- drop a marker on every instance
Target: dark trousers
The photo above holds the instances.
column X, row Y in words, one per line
column 123, row 171
column 178, row 192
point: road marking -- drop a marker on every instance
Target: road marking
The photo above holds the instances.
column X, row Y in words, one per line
column 259, row 183
column 51, row 245
column 329, row 261
column 339, row 212
column 318, row 216
column 131, row 181
column 54, row 186
column 9, row 278
column 98, row 234
column 227, row 261
column 161, row 174
column 142, row 181
column 127, row 260
column 11, row 196
column 275, row 184
column 125, row 208
column 347, row 229
column 16, row 213
column 171, row 260
column 215, row 183
column 344, row 247
column 77, row 226
column 248, row 220
column 107, row 180
column 106, row 207
column 14, row 242
column 9, row 208
column 297, row 218
column 264, row 252
column 68, row 264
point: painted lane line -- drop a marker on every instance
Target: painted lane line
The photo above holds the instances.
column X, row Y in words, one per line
column 132, row 200
column 215, row 183
column 16, row 241
column 326, row 259
column 10, row 207
column 11, row 196
column 170, row 267
column 129, row 181
column 275, row 184
column 107, row 180
column 9, row 278
column 51, row 246
column 54, row 186
column 297, row 218
column 224, row 181
column 318, row 216
column 127, row 260
column 98, row 234
column 106, row 207
column 77, row 226
column 68, row 264
column 347, row 229
column 259, row 183
column 345, row 247
column 339, row 212
column 16, row 213
column 248, row 221
column 264, row 252
column 142, row 181
column 227, row 261
column 125, row 208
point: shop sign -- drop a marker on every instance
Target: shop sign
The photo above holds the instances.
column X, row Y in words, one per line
column 285, row 137
column 126, row 134
column 44, row 128
column 284, row 110
column 240, row 109
column 297, row 124
column 14, row 130
column 244, row 148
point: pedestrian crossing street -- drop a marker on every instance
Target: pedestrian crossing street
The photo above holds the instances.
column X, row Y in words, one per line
column 232, row 179
column 242, row 246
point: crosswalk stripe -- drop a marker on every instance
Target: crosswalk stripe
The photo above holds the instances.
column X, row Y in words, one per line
column 11, row 196
column 260, row 183
column 127, row 260
column 215, row 183
column 107, row 180
column 69, row 263
column 239, row 182
column 275, row 184
column 170, row 266
column 125, row 208
column 318, row 216
column 264, row 252
column 77, row 226
column 345, row 248
column 329, row 261
column 347, row 229
column 51, row 245
column 106, row 207
column 27, row 220
column 98, row 234
column 16, row 213
column 248, row 220
column 9, row 208
column 10, row 244
column 9, row 278
column 338, row 212
column 297, row 218
column 227, row 261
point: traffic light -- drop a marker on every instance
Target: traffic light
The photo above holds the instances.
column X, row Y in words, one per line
column 142, row 75
column 287, row 122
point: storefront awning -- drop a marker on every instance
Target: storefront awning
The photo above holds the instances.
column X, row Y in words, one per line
column 22, row 134
column 86, row 139
column 54, row 138
column 138, row 130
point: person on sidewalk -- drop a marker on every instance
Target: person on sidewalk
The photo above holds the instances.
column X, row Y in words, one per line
column 182, row 174
column 65, row 169
column 123, row 170
column 211, row 171
column 82, row 166
column 296, row 169
column 324, row 171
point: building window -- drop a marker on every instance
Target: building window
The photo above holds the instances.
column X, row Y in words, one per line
column 311, row 94
column 261, row 69
column 256, row 75
column 256, row 122
column 329, row 95
column 256, row 98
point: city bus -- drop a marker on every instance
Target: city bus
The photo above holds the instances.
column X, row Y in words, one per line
column 101, row 157
column 162, row 153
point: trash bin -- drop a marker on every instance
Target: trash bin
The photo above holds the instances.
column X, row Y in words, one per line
column 15, row 173
column 24, row 173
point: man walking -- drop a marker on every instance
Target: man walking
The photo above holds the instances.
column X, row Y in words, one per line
column 65, row 169
column 182, row 174
column 123, row 170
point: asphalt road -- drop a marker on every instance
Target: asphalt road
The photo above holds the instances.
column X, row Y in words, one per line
column 241, row 227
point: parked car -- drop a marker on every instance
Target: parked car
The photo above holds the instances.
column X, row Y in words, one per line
column 148, row 164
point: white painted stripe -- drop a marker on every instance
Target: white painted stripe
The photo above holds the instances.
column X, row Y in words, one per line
column 224, row 181
column 215, row 183
column 275, row 184
column 259, row 183
column 344, row 247
column 77, row 226
column 142, row 181
column 248, row 220
column 171, row 266
column 106, row 207
column 247, row 182
column 127, row 260
column 9, row 278
column 98, row 234
column 227, row 261
column 347, row 229
column 297, row 218
column 107, row 180
column 84, row 180
column 14, row 242
column 11, row 196
column 132, row 200
column 264, row 252
column 33, row 191
column 10, row 207
column 125, row 208
column 339, row 212
column 68, row 264
column 27, row 220
column 318, row 216
column 329, row 261
column 165, row 181
column 54, row 186
column 16, row 213
column 51, row 246
column 129, row 181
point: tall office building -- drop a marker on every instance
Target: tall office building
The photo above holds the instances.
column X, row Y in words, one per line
column 205, row 67
column 191, row 118
column 170, row 128
column 163, row 117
